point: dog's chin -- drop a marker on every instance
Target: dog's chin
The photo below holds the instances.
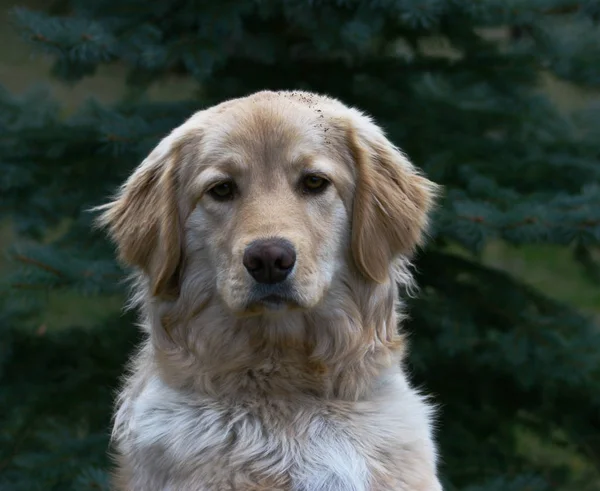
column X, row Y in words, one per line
column 272, row 304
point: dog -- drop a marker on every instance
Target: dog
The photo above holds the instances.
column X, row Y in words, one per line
column 269, row 236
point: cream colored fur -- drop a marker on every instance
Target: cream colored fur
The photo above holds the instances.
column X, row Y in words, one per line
column 229, row 392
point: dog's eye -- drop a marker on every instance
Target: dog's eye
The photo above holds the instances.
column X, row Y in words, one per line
column 313, row 183
column 223, row 191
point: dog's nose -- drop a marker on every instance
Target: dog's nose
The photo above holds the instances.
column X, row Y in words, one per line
column 269, row 261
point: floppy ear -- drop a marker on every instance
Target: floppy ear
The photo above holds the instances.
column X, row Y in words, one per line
column 143, row 219
column 391, row 204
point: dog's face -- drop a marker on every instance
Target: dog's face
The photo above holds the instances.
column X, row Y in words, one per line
column 266, row 199
column 269, row 210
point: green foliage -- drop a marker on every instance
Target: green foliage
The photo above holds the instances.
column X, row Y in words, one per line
column 57, row 391
column 500, row 357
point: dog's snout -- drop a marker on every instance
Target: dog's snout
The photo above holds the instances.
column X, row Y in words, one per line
column 270, row 261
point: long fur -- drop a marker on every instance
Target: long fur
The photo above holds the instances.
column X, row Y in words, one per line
column 314, row 397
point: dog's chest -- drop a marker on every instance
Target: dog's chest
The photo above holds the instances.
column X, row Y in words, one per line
column 264, row 445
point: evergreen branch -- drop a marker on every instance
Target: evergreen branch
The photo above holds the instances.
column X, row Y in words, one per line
column 561, row 9
column 26, row 286
column 528, row 221
column 39, row 264
column 21, row 436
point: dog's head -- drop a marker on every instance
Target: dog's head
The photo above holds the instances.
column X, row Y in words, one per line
column 264, row 200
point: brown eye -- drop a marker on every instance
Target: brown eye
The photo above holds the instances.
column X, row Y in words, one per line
column 313, row 183
column 223, row 191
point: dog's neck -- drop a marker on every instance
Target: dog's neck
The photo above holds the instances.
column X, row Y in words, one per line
column 340, row 350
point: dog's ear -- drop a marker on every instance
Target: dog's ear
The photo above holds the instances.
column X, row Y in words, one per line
column 392, row 201
column 143, row 219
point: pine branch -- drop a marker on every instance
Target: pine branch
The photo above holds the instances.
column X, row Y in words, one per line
column 39, row 264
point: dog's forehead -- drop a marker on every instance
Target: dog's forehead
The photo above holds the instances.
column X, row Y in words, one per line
column 267, row 129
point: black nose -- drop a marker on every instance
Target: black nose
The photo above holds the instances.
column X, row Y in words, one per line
column 270, row 261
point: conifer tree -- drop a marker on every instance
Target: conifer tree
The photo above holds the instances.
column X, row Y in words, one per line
column 501, row 359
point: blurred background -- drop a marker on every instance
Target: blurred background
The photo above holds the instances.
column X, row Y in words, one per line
column 499, row 101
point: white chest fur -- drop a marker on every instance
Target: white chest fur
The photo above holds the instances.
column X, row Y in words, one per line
column 324, row 446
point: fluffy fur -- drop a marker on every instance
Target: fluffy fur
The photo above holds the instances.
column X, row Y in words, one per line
column 230, row 391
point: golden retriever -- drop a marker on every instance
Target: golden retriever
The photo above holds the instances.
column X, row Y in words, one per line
column 269, row 235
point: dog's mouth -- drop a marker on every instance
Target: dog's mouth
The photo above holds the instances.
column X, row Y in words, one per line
column 263, row 302
column 274, row 300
